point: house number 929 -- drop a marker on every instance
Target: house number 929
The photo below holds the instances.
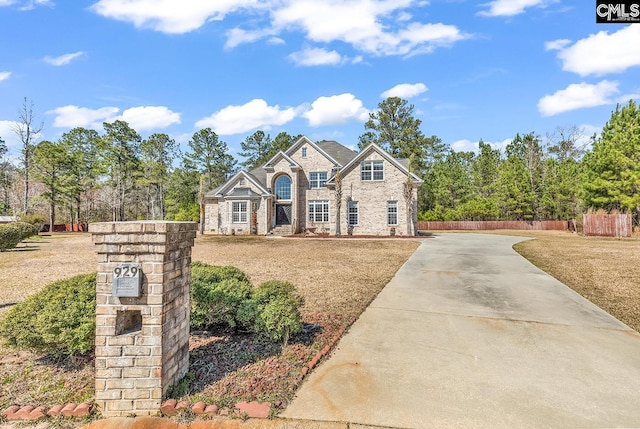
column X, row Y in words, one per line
column 125, row 271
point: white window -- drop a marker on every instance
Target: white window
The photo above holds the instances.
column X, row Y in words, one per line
column 317, row 180
column 392, row 212
column 239, row 210
column 352, row 213
column 319, row 211
column 304, row 152
column 371, row 170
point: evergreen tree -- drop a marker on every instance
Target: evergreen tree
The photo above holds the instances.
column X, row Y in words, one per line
column 612, row 168
column 158, row 153
column 85, row 168
column 120, row 151
column 255, row 148
column 51, row 167
column 394, row 128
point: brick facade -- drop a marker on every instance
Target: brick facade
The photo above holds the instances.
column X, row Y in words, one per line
column 298, row 163
column 142, row 343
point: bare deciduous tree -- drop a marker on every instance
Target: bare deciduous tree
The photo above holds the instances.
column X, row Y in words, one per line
column 28, row 133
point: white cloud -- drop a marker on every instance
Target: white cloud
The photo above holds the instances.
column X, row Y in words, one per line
column 169, row 16
column 63, row 59
column 381, row 27
column 237, row 36
column 510, row 7
column 250, row 116
column 8, row 134
column 32, row 4
column 405, row 90
column 335, row 110
column 367, row 26
column 603, row 53
column 316, row 57
column 556, row 45
column 145, row 118
column 71, row 116
column 578, row 96
column 465, row 145
column 4, row 75
column 142, row 118
column 29, row 5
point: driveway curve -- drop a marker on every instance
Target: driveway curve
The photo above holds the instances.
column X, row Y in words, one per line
column 468, row 334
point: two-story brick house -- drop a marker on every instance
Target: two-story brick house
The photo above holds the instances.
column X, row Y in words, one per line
column 295, row 191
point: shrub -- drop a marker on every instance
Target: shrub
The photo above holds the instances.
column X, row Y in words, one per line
column 278, row 310
column 58, row 320
column 13, row 233
column 34, row 219
column 219, row 296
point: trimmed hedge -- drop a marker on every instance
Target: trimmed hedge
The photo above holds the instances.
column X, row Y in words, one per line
column 58, row 320
column 278, row 310
column 218, row 296
column 13, row 233
column 224, row 297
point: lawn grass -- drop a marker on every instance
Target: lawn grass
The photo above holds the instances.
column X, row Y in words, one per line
column 337, row 278
column 606, row 271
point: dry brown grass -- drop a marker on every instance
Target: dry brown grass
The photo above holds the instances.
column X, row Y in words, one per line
column 338, row 279
column 334, row 276
column 606, row 271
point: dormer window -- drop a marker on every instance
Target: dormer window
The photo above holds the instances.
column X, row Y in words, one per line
column 304, row 152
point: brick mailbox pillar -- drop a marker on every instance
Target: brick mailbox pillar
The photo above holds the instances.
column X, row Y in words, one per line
column 142, row 312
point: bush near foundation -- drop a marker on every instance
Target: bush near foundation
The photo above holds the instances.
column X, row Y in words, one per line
column 59, row 320
column 13, row 233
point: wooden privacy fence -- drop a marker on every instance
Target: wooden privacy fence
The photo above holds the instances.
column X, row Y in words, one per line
column 487, row 225
column 607, row 225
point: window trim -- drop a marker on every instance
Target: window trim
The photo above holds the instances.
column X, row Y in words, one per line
column 368, row 169
column 236, row 209
column 351, row 205
column 314, row 213
column 318, row 183
column 392, row 210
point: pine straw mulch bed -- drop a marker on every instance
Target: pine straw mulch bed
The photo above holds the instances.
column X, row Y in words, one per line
column 338, row 279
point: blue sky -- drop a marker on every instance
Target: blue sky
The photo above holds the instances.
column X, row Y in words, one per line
column 471, row 69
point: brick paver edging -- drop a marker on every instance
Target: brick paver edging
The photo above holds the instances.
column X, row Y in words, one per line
column 29, row 412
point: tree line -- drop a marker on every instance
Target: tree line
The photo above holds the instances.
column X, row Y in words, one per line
column 86, row 176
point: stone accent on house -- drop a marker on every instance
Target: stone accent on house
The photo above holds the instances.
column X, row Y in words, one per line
column 142, row 343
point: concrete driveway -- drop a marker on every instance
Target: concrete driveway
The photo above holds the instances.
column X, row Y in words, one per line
column 469, row 334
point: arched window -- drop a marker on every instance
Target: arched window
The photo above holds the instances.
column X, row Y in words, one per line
column 283, row 188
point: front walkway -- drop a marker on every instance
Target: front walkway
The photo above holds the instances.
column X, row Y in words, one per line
column 470, row 334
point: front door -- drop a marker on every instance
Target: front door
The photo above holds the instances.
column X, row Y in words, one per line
column 283, row 214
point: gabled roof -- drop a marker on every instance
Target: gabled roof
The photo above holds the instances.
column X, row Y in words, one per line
column 242, row 193
column 220, row 191
column 304, row 140
column 340, row 153
column 277, row 157
column 400, row 164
